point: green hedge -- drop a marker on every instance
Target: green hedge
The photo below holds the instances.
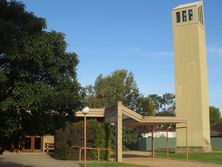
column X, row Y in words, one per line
column 98, row 135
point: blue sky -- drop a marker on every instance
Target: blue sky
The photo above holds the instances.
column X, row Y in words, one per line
column 130, row 34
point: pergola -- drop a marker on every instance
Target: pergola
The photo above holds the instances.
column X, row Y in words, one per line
column 120, row 116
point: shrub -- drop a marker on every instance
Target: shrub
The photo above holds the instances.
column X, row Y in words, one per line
column 98, row 135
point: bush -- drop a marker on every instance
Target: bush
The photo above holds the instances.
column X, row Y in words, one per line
column 98, row 135
column 61, row 145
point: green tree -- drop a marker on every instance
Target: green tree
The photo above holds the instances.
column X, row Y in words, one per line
column 119, row 85
column 147, row 107
column 37, row 76
column 156, row 100
column 164, row 105
column 215, row 115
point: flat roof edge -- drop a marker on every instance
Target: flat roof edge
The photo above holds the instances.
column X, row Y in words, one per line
column 187, row 5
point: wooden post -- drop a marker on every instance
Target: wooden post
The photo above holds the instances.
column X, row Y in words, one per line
column 119, row 132
column 98, row 154
column 167, row 150
column 32, row 143
column 42, row 144
column 153, row 144
column 80, row 154
column 147, row 141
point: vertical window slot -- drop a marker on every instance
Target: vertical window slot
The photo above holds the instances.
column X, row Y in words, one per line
column 190, row 13
column 178, row 20
column 184, row 15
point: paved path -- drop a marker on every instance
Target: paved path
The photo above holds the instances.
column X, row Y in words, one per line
column 159, row 162
column 33, row 160
column 141, row 158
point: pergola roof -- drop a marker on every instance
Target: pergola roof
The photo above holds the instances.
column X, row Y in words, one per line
column 132, row 118
column 123, row 116
column 93, row 112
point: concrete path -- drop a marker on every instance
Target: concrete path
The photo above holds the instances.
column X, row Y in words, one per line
column 33, row 160
column 159, row 162
column 141, row 158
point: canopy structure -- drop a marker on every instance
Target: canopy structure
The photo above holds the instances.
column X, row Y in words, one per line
column 120, row 116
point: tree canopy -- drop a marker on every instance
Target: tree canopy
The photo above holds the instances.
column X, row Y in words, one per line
column 37, row 75
column 119, row 85
column 215, row 115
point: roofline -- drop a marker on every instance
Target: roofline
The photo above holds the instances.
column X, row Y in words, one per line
column 188, row 5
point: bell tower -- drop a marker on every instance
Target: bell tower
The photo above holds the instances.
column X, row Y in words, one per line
column 191, row 81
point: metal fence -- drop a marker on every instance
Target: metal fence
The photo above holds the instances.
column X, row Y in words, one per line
column 216, row 142
column 145, row 144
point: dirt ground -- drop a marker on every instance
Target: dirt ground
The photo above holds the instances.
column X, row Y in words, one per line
column 142, row 158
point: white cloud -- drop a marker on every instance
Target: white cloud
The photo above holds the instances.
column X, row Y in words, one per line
column 140, row 52
column 162, row 53
column 214, row 49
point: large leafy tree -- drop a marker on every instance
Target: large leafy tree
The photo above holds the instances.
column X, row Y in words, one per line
column 38, row 85
column 164, row 105
column 119, row 85
column 215, row 115
column 147, row 106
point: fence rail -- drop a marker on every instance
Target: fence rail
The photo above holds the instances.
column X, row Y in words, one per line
column 88, row 148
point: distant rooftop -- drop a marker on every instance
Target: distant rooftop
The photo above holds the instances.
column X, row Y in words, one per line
column 189, row 5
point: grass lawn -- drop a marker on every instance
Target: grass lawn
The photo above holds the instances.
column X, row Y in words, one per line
column 214, row 157
column 109, row 164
